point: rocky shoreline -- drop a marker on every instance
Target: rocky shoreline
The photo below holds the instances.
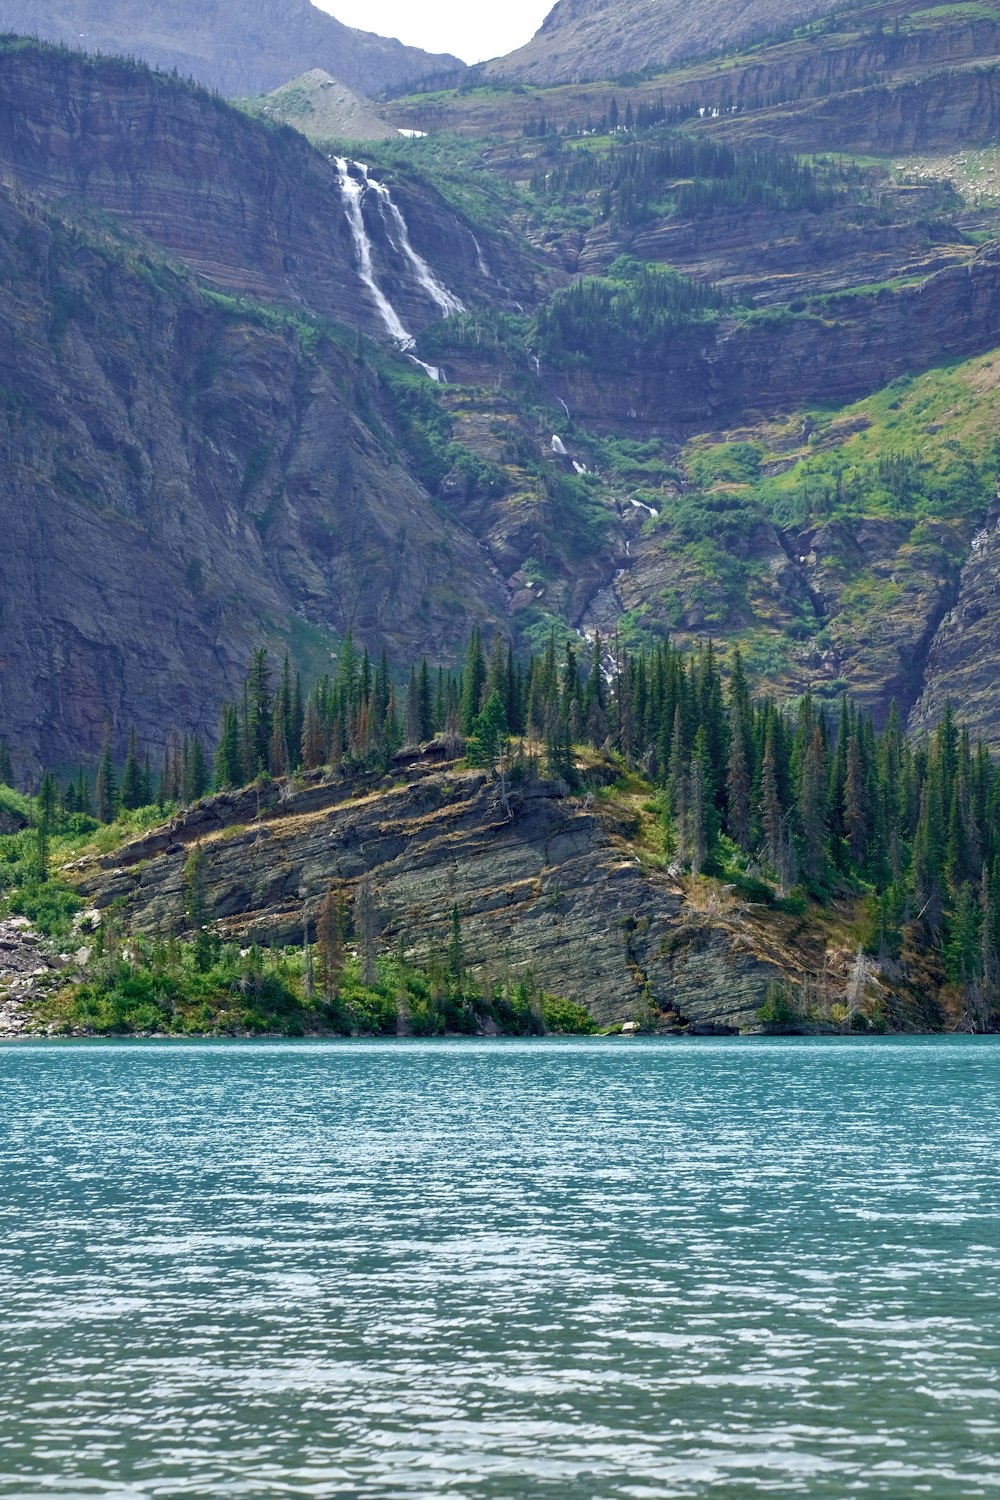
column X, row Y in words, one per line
column 26, row 969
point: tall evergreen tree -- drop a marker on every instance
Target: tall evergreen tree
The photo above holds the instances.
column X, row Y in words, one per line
column 131, row 789
column 473, row 682
column 258, row 708
column 107, row 784
column 197, row 778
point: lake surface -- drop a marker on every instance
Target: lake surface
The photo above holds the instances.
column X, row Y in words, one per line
column 581, row 1269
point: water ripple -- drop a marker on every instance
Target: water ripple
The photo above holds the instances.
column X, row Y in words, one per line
column 587, row 1270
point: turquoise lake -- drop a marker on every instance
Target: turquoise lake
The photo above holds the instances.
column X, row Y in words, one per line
column 587, row 1269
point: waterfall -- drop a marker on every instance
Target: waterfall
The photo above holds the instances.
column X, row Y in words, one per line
column 353, row 191
column 438, row 293
column 481, row 265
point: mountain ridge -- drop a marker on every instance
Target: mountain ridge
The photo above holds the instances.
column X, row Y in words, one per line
column 240, row 47
column 583, row 40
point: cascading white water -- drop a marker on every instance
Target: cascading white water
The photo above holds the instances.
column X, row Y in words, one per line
column 481, row 265
column 439, row 294
column 353, row 189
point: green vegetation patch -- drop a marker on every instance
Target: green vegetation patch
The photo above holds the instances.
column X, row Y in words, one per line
column 600, row 320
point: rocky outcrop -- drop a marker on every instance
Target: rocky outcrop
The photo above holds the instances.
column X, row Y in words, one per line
column 324, row 110
column 235, row 47
column 961, row 665
column 549, row 882
column 556, row 888
column 27, row 971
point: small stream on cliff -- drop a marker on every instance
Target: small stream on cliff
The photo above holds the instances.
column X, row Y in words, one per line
column 587, row 1269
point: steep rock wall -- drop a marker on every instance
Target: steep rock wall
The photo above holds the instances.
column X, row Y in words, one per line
column 716, row 375
column 252, row 209
column 179, row 484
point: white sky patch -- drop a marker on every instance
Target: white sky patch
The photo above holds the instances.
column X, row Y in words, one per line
column 472, row 32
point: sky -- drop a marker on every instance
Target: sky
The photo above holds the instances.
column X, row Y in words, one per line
column 471, row 29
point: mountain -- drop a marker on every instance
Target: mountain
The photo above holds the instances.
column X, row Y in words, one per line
column 323, row 109
column 585, row 388
column 581, row 40
column 190, row 470
column 232, row 46
column 734, row 313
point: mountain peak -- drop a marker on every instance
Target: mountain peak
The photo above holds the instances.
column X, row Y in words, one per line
column 322, row 107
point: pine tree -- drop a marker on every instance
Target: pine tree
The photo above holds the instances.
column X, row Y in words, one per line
column 312, row 748
column 813, row 781
column 425, row 703
column 46, row 809
column 412, row 720
column 473, row 682
column 196, row 906
column 107, row 785
column 456, row 949
column 365, row 928
column 929, row 853
column 489, row 741
column 196, row 777
column 277, row 750
column 738, row 782
column 698, row 803
column 496, row 675
column 229, row 770
column 963, row 950
column 131, row 792
column 295, row 724
column 855, row 803
column 772, row 813
column 677, row 792
column 258, row 702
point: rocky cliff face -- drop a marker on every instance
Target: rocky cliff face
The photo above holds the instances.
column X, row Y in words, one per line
column 233, row 46
column 720, row 374
column 585, row 39
column 961, row 665
column 253, row 210
column 957, row 105
column 557, row 888
column 180, row 482
column 890, row 74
